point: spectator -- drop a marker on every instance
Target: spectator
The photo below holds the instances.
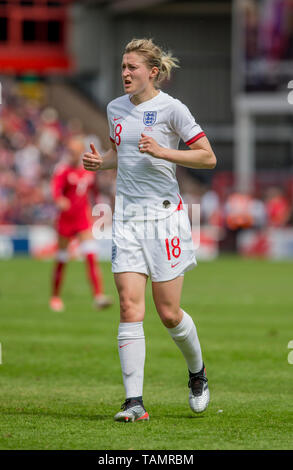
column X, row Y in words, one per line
column 277, row 207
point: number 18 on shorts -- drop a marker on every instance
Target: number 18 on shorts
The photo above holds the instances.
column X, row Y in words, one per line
column 162, row 249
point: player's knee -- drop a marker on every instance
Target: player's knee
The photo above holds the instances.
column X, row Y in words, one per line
column 170, row 317
column 62, row 256
column 130, row 310
column 126, row 306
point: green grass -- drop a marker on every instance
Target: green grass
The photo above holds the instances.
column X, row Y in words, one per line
column 60, row 376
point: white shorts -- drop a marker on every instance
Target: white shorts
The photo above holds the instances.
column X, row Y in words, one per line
column 161, row 249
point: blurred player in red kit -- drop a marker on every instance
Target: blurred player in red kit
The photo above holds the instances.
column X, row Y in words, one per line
column 71, row 185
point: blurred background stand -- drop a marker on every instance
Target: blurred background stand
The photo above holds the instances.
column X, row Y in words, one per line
column 60, row 65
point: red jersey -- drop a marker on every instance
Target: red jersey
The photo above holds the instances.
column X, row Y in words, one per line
column 74, row 183
column 278, row 210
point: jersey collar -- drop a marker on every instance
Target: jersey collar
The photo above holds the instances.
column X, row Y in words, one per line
column 145, row 102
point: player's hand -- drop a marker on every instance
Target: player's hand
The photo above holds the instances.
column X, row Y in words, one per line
column 92, row 161
column 149, row 145
column 63, row 203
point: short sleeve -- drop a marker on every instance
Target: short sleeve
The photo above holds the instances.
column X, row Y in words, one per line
column 110, row 123
column 183, row 123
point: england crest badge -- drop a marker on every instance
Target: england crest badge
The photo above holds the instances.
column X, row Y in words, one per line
column 149, row 118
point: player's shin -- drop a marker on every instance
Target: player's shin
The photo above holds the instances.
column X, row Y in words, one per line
column 131, row 346
column 88, row 249
column 56, row 303
column 185, row 336
column 58, row 272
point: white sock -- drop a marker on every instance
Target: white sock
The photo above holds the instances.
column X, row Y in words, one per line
column 131, row 346
column 185, row 336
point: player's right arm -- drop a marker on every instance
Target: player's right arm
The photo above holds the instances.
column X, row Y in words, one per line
column 93, row 161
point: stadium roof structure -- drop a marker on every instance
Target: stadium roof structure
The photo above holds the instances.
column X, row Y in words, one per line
column 175, row 6
column 124, row 5
column 33, row 37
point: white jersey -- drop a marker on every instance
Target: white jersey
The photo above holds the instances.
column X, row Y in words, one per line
column 147, row 187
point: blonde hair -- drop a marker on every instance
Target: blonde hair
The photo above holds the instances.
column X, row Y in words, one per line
column 154, row 57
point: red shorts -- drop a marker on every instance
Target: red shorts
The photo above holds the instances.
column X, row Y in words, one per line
column 69, row 228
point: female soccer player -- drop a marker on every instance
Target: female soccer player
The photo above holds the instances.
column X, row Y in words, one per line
column 70, row 186
column 146, row 125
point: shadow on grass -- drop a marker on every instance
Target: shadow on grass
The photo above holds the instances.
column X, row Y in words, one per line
column 93, row 417
column 99, row 417
column 180, row 416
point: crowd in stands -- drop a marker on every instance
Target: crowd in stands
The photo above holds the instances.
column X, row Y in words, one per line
column 32, row 143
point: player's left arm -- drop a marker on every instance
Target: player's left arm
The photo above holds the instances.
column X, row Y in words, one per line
column 199, row 156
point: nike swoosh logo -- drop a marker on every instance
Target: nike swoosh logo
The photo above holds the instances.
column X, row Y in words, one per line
column 116, row 119
column 123, row 345
column 173, row 265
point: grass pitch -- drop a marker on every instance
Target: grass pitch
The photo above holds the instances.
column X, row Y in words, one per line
column 60, row 376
